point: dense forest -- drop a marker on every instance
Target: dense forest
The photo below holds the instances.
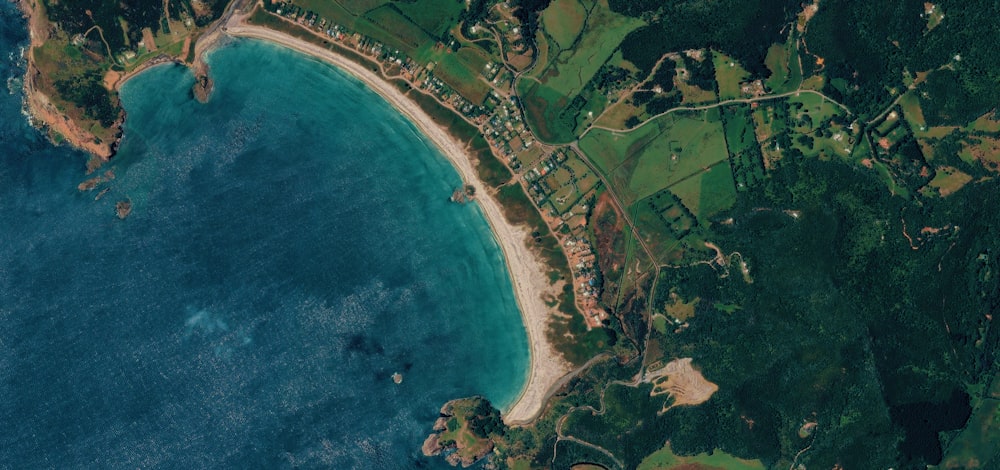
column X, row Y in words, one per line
column 844, row 324
column 890, row 38
column 742, row 29
column 78, row 16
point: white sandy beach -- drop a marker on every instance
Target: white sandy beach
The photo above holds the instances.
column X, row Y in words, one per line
column 527, row 273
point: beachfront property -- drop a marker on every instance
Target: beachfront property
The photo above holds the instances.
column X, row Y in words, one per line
column 559, row 182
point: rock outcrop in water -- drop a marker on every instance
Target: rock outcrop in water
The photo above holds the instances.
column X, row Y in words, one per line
column 464, row 431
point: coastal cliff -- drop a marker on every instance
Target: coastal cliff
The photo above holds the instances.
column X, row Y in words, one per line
column 464, row 431
column 54, row 118
column 74, row 72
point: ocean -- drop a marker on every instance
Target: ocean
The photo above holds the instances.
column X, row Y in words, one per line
column 291, row 246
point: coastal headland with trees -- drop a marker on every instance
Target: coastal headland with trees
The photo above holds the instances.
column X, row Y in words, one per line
column 741, row 234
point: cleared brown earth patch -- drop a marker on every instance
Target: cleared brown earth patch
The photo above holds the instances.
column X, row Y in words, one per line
column 949, row 179
column 683, row 383
column 608, row 225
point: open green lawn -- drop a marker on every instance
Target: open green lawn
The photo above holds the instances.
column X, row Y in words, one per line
column 745, row 157
column 433, row 16
column 729, row 74
column 782, row 60
column 357, row 7
column 657, row 229
column 462, row 71
column 548, row 112
column 671, row 149
column 609, row 149
column 550, row 92
column 333, row 11
column 806, row 120
column 739, row 129
column 573, row 68
column 396, row 30
column 383, row 21
column 685, row 148
column 689, row 191
column 718, row 192
column 563, row 21
column 975, row 446
column 665, row 459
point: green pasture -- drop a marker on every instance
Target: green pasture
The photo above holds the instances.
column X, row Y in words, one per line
column 665, row 459
column 462, row 71
column 570, row 183
column 356, row 7
column 550, row 114
column 408, row 27
column 551, row 103
column 333, row 11
column 435, row 17
column 739, row 130
column 718, row 192
column 976, row 445
column 396, row 30
column 685, row 148
column 568, row 72
column 729, row 74
column 655, row 232
column 608, row 149
column 689, row 191
column 816, row 105
column 782, row 61
column 563, row 21
column 745, row 158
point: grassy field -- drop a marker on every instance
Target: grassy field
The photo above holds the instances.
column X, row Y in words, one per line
column 718, row 192
column 547, row 112
column 694, row 95
column 689, row 191
column 609, row 149
column 782, row 60
column 386, row 22
column 975, row 446
column 433, row 16
column 745, row 157
column 570, row 183
column 462, row 71
column 658, row 155
column 684, row 149
column 357, row 7
column 729, row 74
column 805, row 120
column 572, row 69
column 395, row 29
column 986, row 123
column 661, row 227
column 334, row 11
column 563, row 21
column 550, row 92
column 949, row 179
column 665, row 459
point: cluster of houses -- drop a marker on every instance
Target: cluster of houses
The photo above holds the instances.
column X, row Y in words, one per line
column 506, row 131
column 586, row 279
column 418, row 74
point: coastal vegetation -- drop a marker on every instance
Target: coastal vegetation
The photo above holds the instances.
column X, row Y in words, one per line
column 84, row 49
column 801, row 209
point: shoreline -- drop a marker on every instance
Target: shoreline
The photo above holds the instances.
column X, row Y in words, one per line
column 526, row 272
column 43, row 114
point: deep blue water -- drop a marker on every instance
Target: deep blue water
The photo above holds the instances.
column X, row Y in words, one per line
column 291, row 246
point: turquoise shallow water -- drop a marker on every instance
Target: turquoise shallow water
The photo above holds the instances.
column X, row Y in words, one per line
column 291, row 246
